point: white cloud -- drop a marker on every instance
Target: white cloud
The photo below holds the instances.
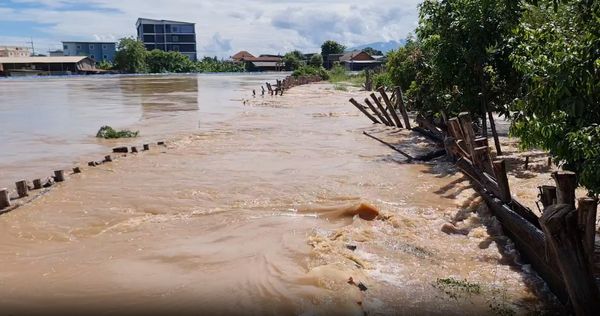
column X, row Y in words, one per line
column 224, row 27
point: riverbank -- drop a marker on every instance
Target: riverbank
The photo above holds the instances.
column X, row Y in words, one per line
column 246, row 217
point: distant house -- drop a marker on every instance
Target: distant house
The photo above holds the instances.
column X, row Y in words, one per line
column 168, row 36
column 14, row 51
column 57, row 52
column 260, row 63
column 20, row 66
column 359, row 60
column 98, row 51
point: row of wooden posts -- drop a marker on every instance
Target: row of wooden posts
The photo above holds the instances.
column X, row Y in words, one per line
column 559, row 244
column 23, row 187
column 287, row 83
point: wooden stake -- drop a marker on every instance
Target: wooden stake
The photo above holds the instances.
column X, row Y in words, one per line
column 161, row 143
column 76, row 170
column 390, row 107
column 59, row 175
column 495, row 134
column 502, row 179
column 467, row 127
column 134, row 149
column 566, row 183
column 362, row 109
column 526, row 162
column 586, row 211
column 402, row 107
column 4, row 198
column 563, row 236
column 22, row 189
column 107, row 158
column 409, row 157
column 547, row 195
column 146, row 147
column 374, row 110
column 37, row 184
column 383, row 111
column 120, row 150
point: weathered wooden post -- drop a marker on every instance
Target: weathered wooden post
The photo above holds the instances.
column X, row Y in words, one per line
column 467, row 128
column 502, row 179
column 59, row 175
column 160, row 143
column 402, row 107
column 134, row 149
column 146, row 147
column 4, row 198
column 37, row 184
column 22, row 189
column 120, row 150
column 383, row 111
column 362, row 109
column 561, row 232
column 587, row 209
column 372, row 107
column 526, row 162
column 107, row 158
column 547, row 195
column 390, row 107
column 566, row 183
column 76, row 170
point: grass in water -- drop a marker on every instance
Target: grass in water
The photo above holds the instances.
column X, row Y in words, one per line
column 108, row 132
column 457, row 288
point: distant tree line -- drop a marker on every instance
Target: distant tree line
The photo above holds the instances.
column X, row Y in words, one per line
column 536, row 62
column 133, row 57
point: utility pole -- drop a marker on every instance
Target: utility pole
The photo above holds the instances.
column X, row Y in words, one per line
column 32, row 47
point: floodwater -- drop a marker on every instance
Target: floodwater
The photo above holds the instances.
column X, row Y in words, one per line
column 248, row 210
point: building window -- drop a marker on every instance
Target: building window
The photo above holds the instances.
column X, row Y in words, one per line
column 78, row 46
column 103, row 46
column 92, row 57
column 92, row 47
column 175, row 48
column 65, row 47
column 104, row 57
column 175, row 38
column 175, row 29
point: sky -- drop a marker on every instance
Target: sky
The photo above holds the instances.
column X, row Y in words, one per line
column 223, row 27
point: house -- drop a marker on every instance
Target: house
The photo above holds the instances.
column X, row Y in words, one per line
column 98, row 51
column 359, row 60
column 168, row 36
column 63, row 65
column 260, row 63
column 14, row 51
column 332, row 59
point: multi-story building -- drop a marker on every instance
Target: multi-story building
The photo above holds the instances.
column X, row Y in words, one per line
column 14, row 51
column 98, row 51
column 168, row 36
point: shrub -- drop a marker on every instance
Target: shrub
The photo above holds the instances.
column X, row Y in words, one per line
column 108, row 132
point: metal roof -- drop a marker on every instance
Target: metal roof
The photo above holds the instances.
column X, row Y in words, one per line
column 90, row 42
column 42, row 60
column 145, row 20
column 267, row 64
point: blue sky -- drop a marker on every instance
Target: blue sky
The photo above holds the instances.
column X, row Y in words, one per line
column 223, row 27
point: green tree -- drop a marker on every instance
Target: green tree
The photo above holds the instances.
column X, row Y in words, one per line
column 404, row 63
column 558, row 55
column 316, row 60
column 331, row 47
column 159, row 61
column 131, row 56
column 293, row 60
column 372, row 51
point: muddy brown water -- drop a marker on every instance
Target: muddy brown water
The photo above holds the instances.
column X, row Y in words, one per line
column 242, row 214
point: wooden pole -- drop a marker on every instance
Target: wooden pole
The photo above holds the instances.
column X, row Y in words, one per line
column 402, row 107
column 467, row 127
column 547, row 195
column 59, row 175
column 495, row 134
column 526, row 162
column 162, row 143
column 76, row 170
column 374, row 110
column 37, row 184
column 107, row 158
column 134, row 149
column 562, row 234
column 566, row 183
column 4, row 198
column 409, row 157
column 390, row 107
column 362, row 109
column 146, row 147
column 120, row 150
column 22, row 189
column 587, row 210
column 502, row 179
column 383, row 111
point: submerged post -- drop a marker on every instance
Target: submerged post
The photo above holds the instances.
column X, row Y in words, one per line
column 134, row 149
column 37, row 184
column 146, row 147
column 59, row 175
column 22, row 189
column 4, row 198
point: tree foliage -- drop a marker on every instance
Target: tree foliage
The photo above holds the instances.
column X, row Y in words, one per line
column 331, row 47
column 293, row 60
column 131, row 56
column 159, row 61
column 372, row 51
column 316, row 60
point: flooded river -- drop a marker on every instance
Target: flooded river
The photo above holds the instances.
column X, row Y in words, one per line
column 248, row 210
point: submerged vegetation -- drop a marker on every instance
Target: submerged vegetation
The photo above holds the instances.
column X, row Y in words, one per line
column 108, row 132
column 535, row 62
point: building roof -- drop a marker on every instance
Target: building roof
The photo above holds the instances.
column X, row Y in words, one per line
column 145, row 20
column 351, row 55
column 266, row 64
column 42, row 60
column 242, row 55
column 90, row 42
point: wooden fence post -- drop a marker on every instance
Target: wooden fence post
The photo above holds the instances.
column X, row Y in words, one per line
column 502, row 179
column 362, row 109
column 22, row 189
column 146, row 147
column 37, row 184
column 59, row 175
column 562, row 235
column 76, row 170
column 383, row 111
column 587, row 209
column 390, row 107
column 547, row 195
column 402, row 107
column 372, row 107
column 467, row 128
column 566, row 183
column 4, row 198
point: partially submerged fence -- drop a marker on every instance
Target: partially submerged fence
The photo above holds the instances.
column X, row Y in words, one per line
column 24, row 188
column 559, row 244
column 287, row 83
